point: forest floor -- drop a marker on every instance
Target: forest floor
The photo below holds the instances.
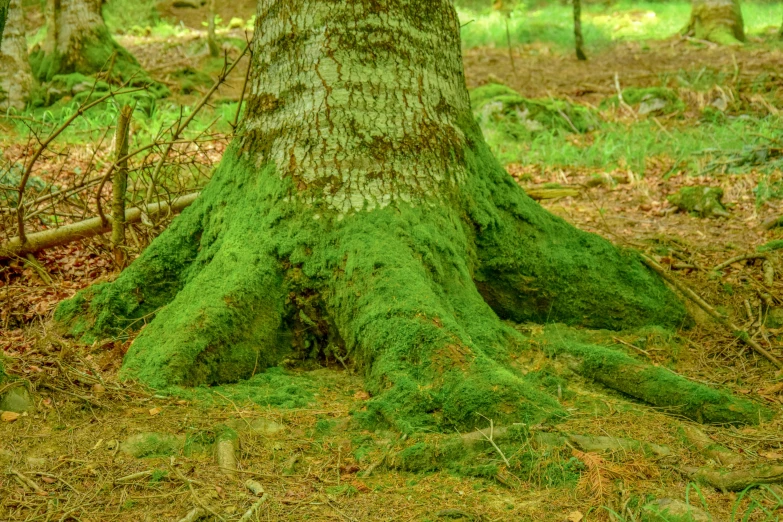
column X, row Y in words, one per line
column 96, row 449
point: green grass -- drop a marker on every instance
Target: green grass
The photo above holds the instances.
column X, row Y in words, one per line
column 601, row 24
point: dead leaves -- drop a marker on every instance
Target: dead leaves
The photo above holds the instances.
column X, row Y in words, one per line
column 9, row 416
column 596, row 483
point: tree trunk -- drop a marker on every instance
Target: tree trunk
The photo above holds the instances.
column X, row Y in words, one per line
column 718, row 21
column 77, row 41
column 578, row 40
column 359, row 212
column 3, row 15
column 212, row 43
column 16, row 78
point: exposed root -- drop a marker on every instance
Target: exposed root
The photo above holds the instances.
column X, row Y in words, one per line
column 737, row 480
column 709, row 448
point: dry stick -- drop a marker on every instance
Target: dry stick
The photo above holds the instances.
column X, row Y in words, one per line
column 508, row 43
column 737, row 259
column 29, row 168
column 103, row 179
column 252, row 510
column 120, row 185
column 181, row 127
column 87, row 228
column 244, row 89
column 27, row 481
column 620, row 96
column 738, row 332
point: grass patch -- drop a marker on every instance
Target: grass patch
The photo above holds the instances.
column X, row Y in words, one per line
column 551, row 24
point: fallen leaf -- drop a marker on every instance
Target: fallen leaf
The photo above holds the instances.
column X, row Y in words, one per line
column 155, row 411
column 772, row 390
column 9, row 416
column 48, row 480
column 575, row 516
column 771, row 455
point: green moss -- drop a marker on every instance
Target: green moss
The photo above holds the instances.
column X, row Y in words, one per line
column 652, row 384
column 775, row 244
column 274, row 387
column 506, row 117
column 649, row 100
column 151, row 445
column 700, row 201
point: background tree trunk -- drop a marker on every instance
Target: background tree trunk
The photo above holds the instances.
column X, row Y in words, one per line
column 3, row 15
column 360, row 213
column 16, row 77
column 718, row 21
column 77, row 41
column 578, row 39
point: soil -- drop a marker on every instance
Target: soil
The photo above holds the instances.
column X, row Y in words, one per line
column 313, row 464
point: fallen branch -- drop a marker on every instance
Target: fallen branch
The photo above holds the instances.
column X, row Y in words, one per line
column 252, row 510
column 29, row 167
column 738, row 480
column 738, row 332
column 737, row 259
column 87, row 228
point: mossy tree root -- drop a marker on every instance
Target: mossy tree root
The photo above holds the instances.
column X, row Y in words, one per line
column 658, row 386
column 247, row 276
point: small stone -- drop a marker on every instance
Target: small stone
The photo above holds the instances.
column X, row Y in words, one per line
column 17, row 400
column 255, row 487
column 651, row 105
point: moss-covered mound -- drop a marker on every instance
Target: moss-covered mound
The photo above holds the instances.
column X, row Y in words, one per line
column 700, row 201
column 503, row 113
column 80, row 88
column 649, row 100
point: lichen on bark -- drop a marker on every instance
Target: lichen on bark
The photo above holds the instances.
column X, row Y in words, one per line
column 360, row 212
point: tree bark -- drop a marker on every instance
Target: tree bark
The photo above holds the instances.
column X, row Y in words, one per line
column 15, row 75
column 718, row 21
column 578, row 39
column 3, row 16
column 359, row 212
column 77, row 41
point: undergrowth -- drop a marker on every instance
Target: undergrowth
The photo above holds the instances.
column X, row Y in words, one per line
column 550, row 24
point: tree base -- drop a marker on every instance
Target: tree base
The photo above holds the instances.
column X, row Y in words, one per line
column 94, row 53
column 249, row 275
